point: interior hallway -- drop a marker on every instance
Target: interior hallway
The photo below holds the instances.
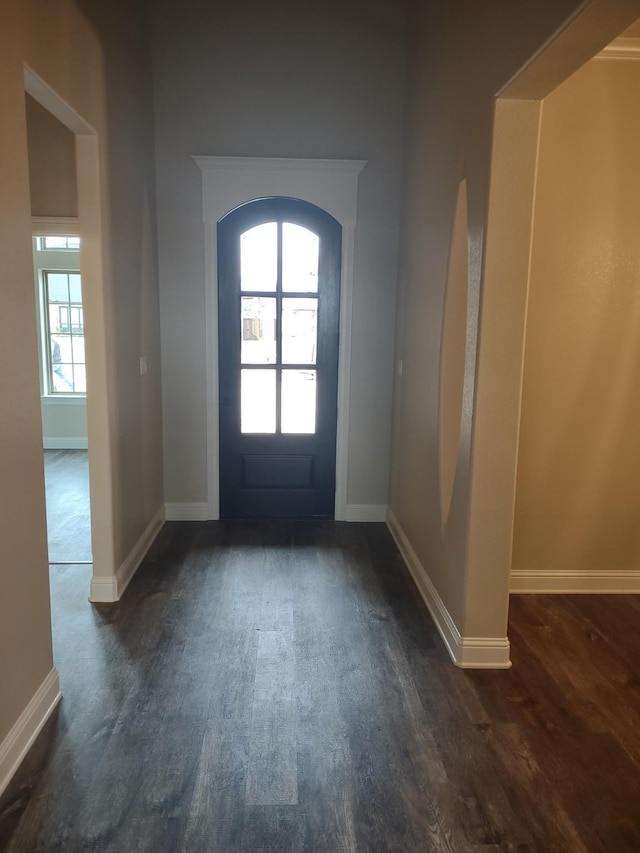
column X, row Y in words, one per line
column 280, row 687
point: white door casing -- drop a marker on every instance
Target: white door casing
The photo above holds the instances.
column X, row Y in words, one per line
column 332, row 185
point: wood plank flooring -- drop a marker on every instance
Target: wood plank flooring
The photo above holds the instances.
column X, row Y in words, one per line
column 66, row 474
column 279, row 686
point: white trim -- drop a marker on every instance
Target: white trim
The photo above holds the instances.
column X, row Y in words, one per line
column 111, row 588
column 331, row 185
column 58, row 226
column 344, row 371
column 466, row 652
column 366, row 512
column 211, row 351
column 621, row 48
column 92, row 222
column 63, row 400
column 575, row 582
column 187, row 511
column 280, row 164
column 69, row 443
column 40, row 89
column 27, row 727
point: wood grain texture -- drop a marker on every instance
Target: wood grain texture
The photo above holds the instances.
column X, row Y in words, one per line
column 66, row 477
column 278, row 686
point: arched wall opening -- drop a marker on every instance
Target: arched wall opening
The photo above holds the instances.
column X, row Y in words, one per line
column 453, row 353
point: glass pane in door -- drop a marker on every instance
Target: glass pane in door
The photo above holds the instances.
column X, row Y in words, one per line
column 258, row 332
column 299, row 330
column 259, row 258
column 258, row 401
column 300, row 251
column 298, row 401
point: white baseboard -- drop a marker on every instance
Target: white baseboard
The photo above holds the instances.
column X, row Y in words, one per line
column 466, row 652
column 27, row 727
column 200, row 512
column 187, row 511
column 576, row 582
column 77, row 443
column 366, row 512
column 111, row 587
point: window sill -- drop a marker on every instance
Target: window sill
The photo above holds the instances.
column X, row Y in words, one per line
column 63, row 400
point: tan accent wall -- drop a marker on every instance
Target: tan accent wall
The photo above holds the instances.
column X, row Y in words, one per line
column 578, row 494
column 52, row 164
column 462, row 56
column 58, row 44
column 25, row 633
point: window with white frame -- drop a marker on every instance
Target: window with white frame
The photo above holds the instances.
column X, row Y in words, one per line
column 60, row 315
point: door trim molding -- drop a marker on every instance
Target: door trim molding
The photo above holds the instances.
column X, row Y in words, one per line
column 332, row 185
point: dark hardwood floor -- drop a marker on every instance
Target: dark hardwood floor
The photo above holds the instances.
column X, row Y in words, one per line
column 66, row 474
column 280, row 687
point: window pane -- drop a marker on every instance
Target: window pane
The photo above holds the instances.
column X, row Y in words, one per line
column 66, row 333
column 58, row 243
column 80, row 378
column 300, row 249
column 299, row 330
column 299, row 401
column 77, row 348
column 75, row 288
column 61, row 364
column 259, row 258
column 64, row 344
column 258, row 330
column 58, row 286
column 55, row 242
column 258, row 401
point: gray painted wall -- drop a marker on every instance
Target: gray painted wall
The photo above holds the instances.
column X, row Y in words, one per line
column 284, row 79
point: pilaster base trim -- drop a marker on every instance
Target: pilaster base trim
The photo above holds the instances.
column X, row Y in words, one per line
column 27, row 727
column 187, row 511
column 366, row 512
column 621, row 583
column 111, row 587
column 466, row 652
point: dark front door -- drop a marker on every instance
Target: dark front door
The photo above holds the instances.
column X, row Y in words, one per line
column 279, row 297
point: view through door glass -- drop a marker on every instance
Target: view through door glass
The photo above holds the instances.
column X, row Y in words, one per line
column 278, row 313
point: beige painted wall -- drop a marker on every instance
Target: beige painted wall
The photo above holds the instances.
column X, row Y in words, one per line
column 52, row 164
column 64, row 422
column 125, row 33
column 58, row 44
column 462, row 55
column 578, row 498
column 25, row 635
column 284, row 80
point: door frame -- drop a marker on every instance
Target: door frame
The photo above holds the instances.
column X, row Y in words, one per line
column 91, row 226
column 332, row 185
column 505, row 288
